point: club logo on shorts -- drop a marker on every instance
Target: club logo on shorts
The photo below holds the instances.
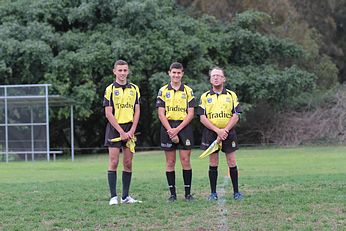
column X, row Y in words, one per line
column 233, row 144
column 210, row 100
column 168, row 95
column 187, row 142
column 116, row 92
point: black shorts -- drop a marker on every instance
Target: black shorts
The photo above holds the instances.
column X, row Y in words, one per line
column 230, row 144
column 111, row 133
column 185, row 137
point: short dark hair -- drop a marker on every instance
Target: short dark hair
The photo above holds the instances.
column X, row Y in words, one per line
column 120, row 62
column 176, row 65
column 216, row 68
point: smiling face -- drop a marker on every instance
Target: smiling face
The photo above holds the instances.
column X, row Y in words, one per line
column 176, row 75
column 217, row 78
column 121, row 72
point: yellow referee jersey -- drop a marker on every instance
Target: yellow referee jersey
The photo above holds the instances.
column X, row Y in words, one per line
column 123, row 100
column 219, row 108
column 175, row 102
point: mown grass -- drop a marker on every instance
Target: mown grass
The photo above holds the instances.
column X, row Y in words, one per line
column 285, row 189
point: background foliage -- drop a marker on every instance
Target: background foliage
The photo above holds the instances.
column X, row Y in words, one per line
column 73, row 45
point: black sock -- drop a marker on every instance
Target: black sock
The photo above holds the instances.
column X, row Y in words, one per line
column 112, row 182
column 233, row 171
column 213, row 178
column 126, row 183
column 171, row 182
column 187, row 176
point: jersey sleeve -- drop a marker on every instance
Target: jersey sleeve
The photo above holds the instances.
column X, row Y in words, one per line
column 201, row 106
column 138, row 95
column 236, row 106
column 107, row 99
column 191, row 98
column 160, row 102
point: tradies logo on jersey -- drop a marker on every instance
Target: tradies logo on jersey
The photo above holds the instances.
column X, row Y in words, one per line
column 124, row 105
column 221, row 114
column 176, row 108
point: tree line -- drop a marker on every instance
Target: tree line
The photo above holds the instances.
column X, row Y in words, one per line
column 73, row 45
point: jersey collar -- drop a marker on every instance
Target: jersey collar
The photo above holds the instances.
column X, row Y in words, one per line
column 181, row 88
column 127, row 85
column 212, row 92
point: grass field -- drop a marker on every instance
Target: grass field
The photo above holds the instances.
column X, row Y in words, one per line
column 285, row 189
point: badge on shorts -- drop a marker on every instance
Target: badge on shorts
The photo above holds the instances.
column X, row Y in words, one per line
column 168, row 95
column 187, row 143
column 233, row 144
column 210, row 100
column 116, row 92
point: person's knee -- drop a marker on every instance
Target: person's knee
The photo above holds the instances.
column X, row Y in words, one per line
column 113, row 164
column 214, row 160
column 232, row 164
column 127, row 165
column 170, row 163
column 231, row 160
column 185, row 162
column 213, row 163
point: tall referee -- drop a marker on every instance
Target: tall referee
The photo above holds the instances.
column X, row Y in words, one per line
column 121, row 102
column 175, row 103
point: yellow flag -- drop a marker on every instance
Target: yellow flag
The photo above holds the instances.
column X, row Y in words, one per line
column 214, row 147
column 131, row 143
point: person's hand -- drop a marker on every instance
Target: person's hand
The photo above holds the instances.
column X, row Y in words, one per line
column 131, row 134
column 172, row 132
column 124, row 136
column 222, row 133
column 175, row 139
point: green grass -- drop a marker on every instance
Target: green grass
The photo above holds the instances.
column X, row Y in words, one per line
column 285, row 189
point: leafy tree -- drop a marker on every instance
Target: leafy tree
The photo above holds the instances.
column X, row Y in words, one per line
column 73, row 45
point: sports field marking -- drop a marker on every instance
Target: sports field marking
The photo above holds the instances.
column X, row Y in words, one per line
column 222, row 202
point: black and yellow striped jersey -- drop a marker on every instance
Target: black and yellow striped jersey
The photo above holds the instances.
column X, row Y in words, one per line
column 219, row 108
column 123, row 99
column 175, row 102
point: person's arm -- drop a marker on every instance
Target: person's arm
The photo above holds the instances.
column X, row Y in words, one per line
column 162, row 116
column 232, row 122
column 114, row 123
column 136, row 115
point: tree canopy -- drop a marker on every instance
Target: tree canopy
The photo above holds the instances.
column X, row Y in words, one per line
column 73, row 45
